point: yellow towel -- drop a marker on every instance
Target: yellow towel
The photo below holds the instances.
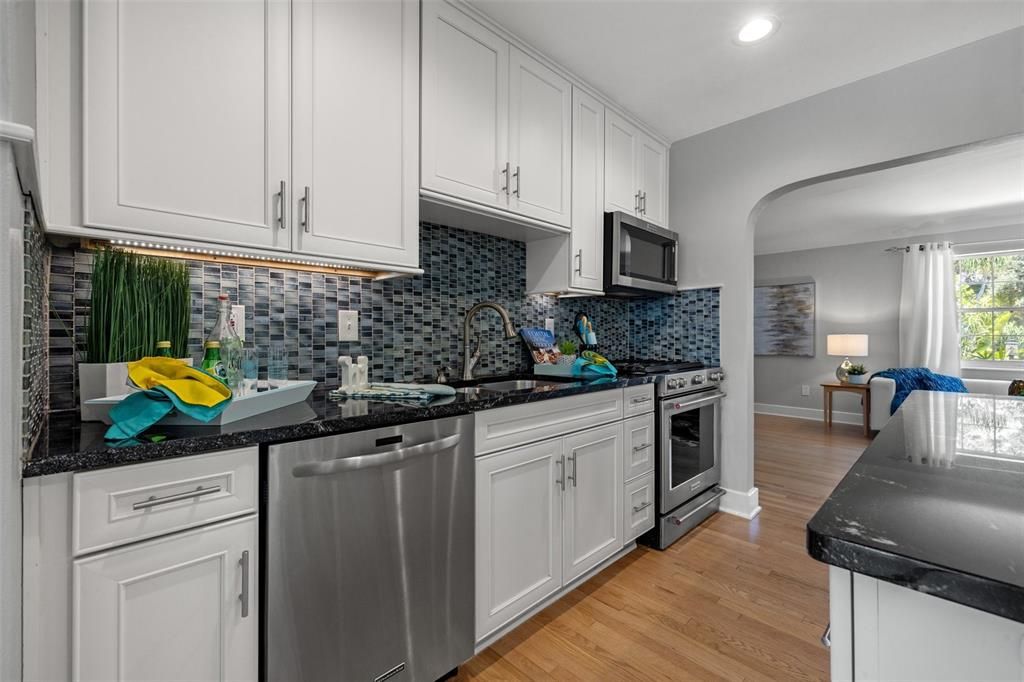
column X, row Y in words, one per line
column 189, row 384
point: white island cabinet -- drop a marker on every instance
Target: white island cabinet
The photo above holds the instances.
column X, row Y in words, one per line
column 881, row 631
column 144, row 572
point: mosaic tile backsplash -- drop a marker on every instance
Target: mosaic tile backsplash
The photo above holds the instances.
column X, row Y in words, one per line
column 407, row 327
column 34, row 332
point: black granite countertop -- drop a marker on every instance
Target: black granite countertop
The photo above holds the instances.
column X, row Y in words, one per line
column 936, row 503
column 68, row 444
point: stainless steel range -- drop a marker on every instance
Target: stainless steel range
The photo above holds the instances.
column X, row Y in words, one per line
column 688, row 460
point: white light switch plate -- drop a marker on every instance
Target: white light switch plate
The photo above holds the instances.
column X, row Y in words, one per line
column 238, row 320
column 805, row 390
column 348, row 325
column 549, row 324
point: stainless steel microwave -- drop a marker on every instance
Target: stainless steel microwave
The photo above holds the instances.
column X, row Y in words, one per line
column 639, row 258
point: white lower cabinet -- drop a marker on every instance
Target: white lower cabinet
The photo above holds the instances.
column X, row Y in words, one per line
column 518, row 532
column 592, row 504
column 546, row 514
column 180, row 607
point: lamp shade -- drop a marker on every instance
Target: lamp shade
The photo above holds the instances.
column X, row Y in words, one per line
column 847, row 344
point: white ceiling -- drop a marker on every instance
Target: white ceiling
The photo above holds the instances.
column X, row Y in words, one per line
column 982, row 187
column 673, row 62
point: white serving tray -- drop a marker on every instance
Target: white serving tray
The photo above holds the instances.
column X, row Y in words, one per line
column 241, row 407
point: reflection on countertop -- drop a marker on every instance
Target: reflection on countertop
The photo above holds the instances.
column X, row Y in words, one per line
column 68, row 444
column 936, row 503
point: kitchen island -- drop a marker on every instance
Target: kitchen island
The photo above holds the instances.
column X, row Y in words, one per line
column 925, row 542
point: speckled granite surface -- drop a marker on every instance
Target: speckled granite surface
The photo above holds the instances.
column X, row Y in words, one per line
column 68, row 444
column 936, row 503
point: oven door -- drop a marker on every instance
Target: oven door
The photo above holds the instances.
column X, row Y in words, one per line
column 689, row 455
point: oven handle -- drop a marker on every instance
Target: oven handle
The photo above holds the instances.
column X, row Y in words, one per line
column 673, row 407
column 680, row 520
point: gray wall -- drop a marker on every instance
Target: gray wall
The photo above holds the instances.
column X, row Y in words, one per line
column 965, row 95
column 17, row 104
column 858, row 292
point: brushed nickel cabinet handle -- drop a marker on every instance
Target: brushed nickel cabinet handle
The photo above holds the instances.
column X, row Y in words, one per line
column 579, row 262
column 643, row 203
column 305, row 210
column 641, row 448
column 155, row 501
column 281, row 204
column 639, row 508
column 572, row 458
column 504, row 188
column 517, row 176
column 641, row 400
column 636, row 202
column 244, row 597
column 561, row 476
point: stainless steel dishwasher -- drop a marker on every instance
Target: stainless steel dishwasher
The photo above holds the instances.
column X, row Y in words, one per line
column 369, row 554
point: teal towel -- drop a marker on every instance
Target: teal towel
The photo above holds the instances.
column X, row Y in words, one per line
column 584, row 367
column 140, row 411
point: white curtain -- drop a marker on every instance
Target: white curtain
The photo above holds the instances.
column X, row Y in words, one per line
column 929, row 329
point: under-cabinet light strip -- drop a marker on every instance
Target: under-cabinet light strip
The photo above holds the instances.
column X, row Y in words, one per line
column 232, row 257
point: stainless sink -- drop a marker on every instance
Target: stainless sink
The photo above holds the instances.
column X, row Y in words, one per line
column 515, row 385
column 473, row 390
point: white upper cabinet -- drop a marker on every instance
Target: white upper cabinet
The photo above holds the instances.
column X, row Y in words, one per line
column 621, row 142
column 587, row 192
column 356, row 122
column 636, row 171
column 185, row 112
column 652, row 164
column 540, row 140
column 465, row 107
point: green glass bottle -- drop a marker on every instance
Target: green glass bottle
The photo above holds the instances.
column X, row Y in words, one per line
column 212, row 364
column 163, row 349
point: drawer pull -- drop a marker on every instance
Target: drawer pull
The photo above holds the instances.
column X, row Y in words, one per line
column 244, row 597
column 641, row 400
column 155, row 501
column 641, row 448
column 640, row 508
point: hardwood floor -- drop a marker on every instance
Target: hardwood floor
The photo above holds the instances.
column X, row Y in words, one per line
column 732, row 600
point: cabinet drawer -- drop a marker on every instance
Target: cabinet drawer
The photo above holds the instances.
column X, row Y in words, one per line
column 638, row 399
column 507, row 427
column 639, row 507
column 638, row 437
column 116, row 506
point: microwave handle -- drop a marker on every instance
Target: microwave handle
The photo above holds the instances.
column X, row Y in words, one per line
column 673, row 260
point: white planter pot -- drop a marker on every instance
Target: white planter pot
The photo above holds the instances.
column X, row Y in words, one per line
column 857, row 379
column 99, row 380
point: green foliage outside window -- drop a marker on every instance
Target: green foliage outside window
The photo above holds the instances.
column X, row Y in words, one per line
column 990, row 296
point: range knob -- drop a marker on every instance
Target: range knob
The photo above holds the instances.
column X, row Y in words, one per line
column 698, row 379
column 717, row 376
column 673, row 383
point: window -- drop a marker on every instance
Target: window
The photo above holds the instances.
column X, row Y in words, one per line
column 990, row 299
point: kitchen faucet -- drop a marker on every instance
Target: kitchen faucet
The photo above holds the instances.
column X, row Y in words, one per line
column 470, row 358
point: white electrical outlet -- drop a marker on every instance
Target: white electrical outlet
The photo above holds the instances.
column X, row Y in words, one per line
column 348, row 325
column 805, row 390
column 549, row 324
column 238, row 320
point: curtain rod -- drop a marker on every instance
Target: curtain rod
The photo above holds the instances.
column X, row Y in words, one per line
column 906, row 249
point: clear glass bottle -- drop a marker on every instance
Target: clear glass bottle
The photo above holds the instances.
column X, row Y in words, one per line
column 230, row 345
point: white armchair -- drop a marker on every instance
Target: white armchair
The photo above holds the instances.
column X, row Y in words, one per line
column 883, row 390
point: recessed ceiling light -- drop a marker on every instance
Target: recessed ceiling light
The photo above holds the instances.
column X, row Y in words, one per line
column 757, row 29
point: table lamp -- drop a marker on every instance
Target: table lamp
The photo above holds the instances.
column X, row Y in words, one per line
column 845, row 345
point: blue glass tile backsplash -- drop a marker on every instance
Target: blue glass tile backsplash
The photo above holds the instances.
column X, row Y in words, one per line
column 408, row 327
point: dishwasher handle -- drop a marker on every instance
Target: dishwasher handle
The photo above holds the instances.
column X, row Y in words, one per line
column 343, row 464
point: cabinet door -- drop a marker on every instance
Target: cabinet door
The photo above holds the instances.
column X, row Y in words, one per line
column 356, row 130
column 638, row 515
column 518, row 532
column 587, row 238
column 638, row 457
column 592, row 530
column 653, row 168
column 540, row 140
column 186, row 110
column 621, row 182
column 465, row 107
column 170, row 608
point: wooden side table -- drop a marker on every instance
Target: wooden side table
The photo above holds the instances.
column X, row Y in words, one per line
column 865, row 402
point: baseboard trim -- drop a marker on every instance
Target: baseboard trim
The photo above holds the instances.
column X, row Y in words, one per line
column 810, row 413
column 745, row 504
